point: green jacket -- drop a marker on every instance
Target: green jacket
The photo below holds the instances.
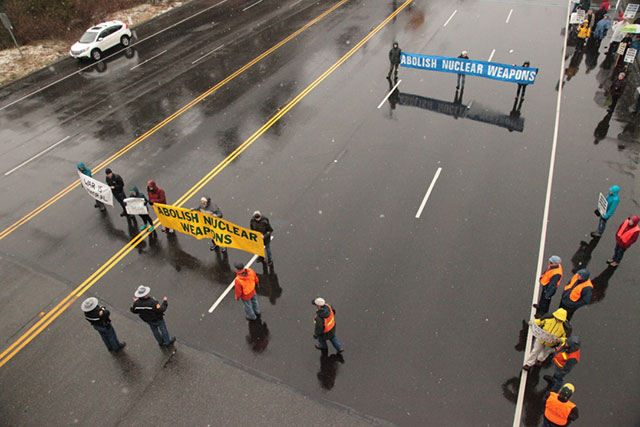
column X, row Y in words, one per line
column 394, row 55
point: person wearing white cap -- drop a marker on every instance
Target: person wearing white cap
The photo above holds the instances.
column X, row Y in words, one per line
column 99, row 318
column 325, row 326
column 208, row 207
column 550, row 280
column 463, row 55
column 152, row 312
column 261, row 224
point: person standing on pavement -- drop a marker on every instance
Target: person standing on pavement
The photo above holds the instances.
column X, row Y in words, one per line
column 157, row 195
column 152, row 312
column 625, row 237
column 565, row 358
column 395, row 55
column 245, row 287
column 555, row 324
column 325, row 326
column 207, row 206
column 616, row 90
column 601, row 29
column 577, row 292
column 584, row 31
column 261, row 224
column 99, row 318
column 146, row 219
column 612, row 203
column 463, row 55
column 117, row 188
column 558, row 409
column 550, row 280
column 86, row 171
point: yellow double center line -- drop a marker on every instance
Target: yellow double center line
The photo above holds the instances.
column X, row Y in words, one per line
column 163, row 123
column 91, row 280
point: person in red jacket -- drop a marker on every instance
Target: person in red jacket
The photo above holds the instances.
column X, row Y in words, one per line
column 245, row 286
column 157, row 195
column 625, row 237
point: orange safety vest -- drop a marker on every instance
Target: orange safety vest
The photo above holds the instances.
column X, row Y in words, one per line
column 552, row 270
column 561, row 358
column 329, row 322
column 556, row 411
column 625, row 236
column 577, row 291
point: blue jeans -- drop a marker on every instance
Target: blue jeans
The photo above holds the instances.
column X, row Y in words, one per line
column 108, row 335
column 334, row 341
column 267, row 249
column 601, row 225
column 251, row 307
column 618, row 253
column 558, row 379
column 160, row 332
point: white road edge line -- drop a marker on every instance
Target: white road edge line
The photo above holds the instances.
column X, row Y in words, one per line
column 426, row 196
column 147, row 60
column 106, row 57
column 450, row 18
column 207, row 54
column 389, row 94
column 509, row 16
column 37, row 155
column 226, row 291
column 249, row 7
column 543, row 234
column 491, row 56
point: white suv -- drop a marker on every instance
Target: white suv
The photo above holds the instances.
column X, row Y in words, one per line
column 101, row 37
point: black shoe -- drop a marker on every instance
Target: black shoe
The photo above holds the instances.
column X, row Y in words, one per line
column 122, row 345
column 251, row 320
column 258, row 315
column 595, row 234
column 123, row 214
column 173, row 340
column 341, row 350
column 320, row 348
column 548, row 378
column 535, row 306
column 389, row 77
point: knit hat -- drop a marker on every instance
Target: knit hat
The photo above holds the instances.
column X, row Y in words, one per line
column 107, row 171
column 555, row 259
column 584, row 273
column 320, row 302
column 239, row 266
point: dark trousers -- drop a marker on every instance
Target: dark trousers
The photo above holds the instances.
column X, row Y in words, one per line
column 120, row 198
column 160, row 332
column 570, row 311
column 543, row 304
column 558, row 379
column 146, row 219
column 618, row 253
column 614, row 102
column 524, row 89
column 391, row 69
column 108, row 335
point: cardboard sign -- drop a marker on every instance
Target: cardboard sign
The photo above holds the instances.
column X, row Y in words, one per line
column 621, row 48
column 631, row 55
column 136, row 206
column 631, row 10
column 602, row 205
column 543, row 335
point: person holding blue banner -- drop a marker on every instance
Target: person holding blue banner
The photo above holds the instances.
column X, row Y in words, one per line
column 521, row 86
column 463, row 55
column 394, row 58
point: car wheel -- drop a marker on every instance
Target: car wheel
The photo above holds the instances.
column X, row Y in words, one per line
column 125, row 41
column 96, row 54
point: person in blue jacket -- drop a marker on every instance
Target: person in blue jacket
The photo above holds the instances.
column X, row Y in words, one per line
column 146, row 219
column 86, row 171
column 612, row 203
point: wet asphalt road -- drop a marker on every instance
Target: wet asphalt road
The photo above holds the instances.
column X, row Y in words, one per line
column 429, row 309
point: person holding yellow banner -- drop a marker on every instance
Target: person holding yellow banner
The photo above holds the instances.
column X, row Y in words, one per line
column 212, row 209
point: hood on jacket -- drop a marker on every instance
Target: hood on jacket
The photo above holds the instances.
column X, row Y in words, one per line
column 324, row 312
column 560, row 314
column 584, row 274
column 151, row 185
column 134, row 191
column 573, row 344
column 81, row 166
column 635, row 219
column 614, row 190
column 395, row 44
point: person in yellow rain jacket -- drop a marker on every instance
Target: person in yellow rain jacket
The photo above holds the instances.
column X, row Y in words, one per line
column 584, row 31
column 556, row 325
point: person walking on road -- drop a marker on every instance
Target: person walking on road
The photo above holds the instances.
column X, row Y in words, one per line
column 577, row 292
column 558, row 409
column 616, row 90
column 157, row 195
column 325, row 326
column 395, row 55
column 612, row 203
column 117, row 188
column 207, row 206
column 601, row 29
column 261, row 224
column 550, row 280
column 245, row 287
column 625, row 237
column 463, row 55
column 86, row 171
column 522, row 87
column 555, row 324
column 152, row 312
column 146, row 219
column 564, row 360
column 584, row 31
column 99, row 318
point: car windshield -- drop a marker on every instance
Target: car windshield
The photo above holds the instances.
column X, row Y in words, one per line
column 88, row 37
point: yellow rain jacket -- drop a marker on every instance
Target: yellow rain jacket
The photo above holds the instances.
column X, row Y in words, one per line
column 555, row 326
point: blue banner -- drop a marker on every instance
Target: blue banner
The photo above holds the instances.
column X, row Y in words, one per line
column 490, row 70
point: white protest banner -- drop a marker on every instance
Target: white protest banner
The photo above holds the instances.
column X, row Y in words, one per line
column 602, row 205
column 631, row 55
column 574, row 19
column 96, row 189
column 631, row 10
column 543, row 335
column 136, row 206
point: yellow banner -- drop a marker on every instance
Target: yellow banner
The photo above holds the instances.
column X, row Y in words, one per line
column 204, row 226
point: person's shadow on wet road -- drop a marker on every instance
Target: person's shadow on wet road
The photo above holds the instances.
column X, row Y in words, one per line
column 258, row 338
column 600, row 284
column 269, row 287
column 581, row 258
column 533, row 405
column 329, row 369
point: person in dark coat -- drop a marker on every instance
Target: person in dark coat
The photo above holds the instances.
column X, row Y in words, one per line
column 522, row 87
column 152, row 312
column 325, row 326
column 463, row 55
column 207, row 206
column 565, row 358
column 395, row 55
column 577, row 292
column 146, row 219
column 616, row 90
column 98, row 316
column 86, row 171
column 261, row 224
column 157, row 195
column 117, row 188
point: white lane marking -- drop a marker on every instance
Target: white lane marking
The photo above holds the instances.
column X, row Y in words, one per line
column 207, row 54
column 545, row 218
column 226, row 291
column 295, row 3
column 451, row 17
column 147, row 60
column 426, row 196
column 389, row 94
column 249, row 7
column 106, row 57
column 491, row 56
column 37, row 155
column 508, row 17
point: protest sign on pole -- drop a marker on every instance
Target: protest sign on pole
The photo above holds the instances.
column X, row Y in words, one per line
column 205, row 226
column 543, row 335
column 631, row 55
column 136, row 206
column 602, row 205
column 630, row 11
column 96, row 189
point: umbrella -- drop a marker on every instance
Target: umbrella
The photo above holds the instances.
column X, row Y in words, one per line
column 631, row 28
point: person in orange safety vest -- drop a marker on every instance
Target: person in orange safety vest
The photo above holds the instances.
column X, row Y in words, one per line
column 577, row 292
column 564, row 360
column 558, row 409
column 550, row 280
column 625, row 237
column 245, row 286
column 325, row 326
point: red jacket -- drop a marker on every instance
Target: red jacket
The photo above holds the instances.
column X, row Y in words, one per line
column 624, row 239
column 156, row 194
column 245, row 284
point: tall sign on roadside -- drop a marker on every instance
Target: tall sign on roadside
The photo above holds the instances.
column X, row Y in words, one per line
column 7, row 24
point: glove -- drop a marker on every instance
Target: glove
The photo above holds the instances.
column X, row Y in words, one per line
column 315, row 336
column 597, row 212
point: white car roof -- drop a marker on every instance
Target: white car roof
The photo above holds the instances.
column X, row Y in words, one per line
column 103, row 25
